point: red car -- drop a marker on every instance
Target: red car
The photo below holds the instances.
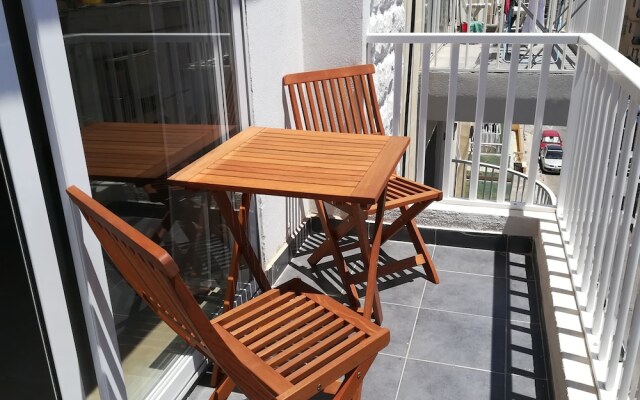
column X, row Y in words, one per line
column 550, row 137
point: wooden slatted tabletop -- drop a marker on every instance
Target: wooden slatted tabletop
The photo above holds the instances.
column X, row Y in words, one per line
column 319, row 165
column 142, row 151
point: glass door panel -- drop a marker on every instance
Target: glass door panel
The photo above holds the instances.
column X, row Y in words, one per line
column 155, row 87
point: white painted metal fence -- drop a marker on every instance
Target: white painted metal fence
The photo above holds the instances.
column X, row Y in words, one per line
column 600, row 180
column 487, row 42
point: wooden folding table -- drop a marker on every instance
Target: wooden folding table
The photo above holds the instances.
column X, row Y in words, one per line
column 335, row 167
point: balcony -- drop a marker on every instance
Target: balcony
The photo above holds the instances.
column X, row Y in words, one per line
column 579, row 270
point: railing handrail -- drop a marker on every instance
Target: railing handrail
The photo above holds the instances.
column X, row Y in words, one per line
column 603, row 53
column 542, row 186
column 476, row 38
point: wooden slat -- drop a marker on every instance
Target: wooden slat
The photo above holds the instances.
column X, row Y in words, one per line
column 336, row 105
column 290, row 333
column 268, row 328
column 346, row 105
column 312, row 106
column 242, row 319
column 326, row 92
column 305, row 342
column 329, row 353
column 295, row 107
column 261, row 320
column 321, row 346
column 320, row 102
column 303, row 104
column 354, row 104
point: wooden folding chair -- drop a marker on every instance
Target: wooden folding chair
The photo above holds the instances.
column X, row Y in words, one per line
column 344, row 100
column 288, row 343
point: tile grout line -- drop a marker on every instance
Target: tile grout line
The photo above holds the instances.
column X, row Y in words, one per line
column 462, row 313
column 413, row 330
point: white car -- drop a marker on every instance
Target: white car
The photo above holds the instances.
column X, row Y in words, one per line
column 551, row 158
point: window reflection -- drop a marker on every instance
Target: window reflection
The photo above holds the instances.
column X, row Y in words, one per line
column 155, row 87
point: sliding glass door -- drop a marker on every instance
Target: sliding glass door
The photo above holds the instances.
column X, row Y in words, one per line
column 156, row 84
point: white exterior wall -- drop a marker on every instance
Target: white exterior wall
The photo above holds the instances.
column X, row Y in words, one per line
column 283, row 37
column 332, row 33
column 387, row 16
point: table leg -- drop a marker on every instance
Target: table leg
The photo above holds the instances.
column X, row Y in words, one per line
column 241, row 238
column 343, row 271
column 370, row 253
column 234, row 266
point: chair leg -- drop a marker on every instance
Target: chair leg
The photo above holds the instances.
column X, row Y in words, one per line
column 421, row 248
column 406, row 215
column 352, row 385
column 325, row 248
column 343, row 270
column 223, row 390
column 234, row 267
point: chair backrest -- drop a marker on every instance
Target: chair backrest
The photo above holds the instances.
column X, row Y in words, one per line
column 338, row 100
column 151, row 272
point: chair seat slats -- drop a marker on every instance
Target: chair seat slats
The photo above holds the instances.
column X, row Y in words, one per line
column 319, row 347
column 268, row 328
column 293, row 336
column 259, row 321
column 328, row 354
column 305, row 342
column 294, row 327
column 233, row 324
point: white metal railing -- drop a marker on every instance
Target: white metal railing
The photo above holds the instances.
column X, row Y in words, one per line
column 598, row 208
column 599, row 183
column 487, row 42
column 516, row 183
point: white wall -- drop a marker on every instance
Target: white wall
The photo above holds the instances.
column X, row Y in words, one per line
column 290, row 36
column 332, row 33
column 274, row 40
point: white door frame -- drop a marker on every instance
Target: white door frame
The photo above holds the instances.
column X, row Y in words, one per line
column 32, row 211
column 54, row 82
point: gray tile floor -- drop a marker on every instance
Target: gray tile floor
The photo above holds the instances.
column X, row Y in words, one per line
column 476, row 335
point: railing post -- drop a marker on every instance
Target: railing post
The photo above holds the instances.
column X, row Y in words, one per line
column 477, row 131
column 422, row 135
column 397, row 89
column 508, row 121
column 537, row 127
column 449, row 140
column 592, row 144
column 577, row 93
column 616, row 112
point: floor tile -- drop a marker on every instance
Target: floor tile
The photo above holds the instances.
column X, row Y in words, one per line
column 426, row 381
column 520, row 266
column 404, row 287
column 382, row 380
column 457, row 259
column 523, row 301
column 525, row 351
column 458, row 339
column 399, row 320
column 471, row 294
column 475, row 240
column 523, row 388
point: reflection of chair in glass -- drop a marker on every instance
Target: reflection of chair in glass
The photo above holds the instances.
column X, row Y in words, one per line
column 344, row 100
column 289, row 343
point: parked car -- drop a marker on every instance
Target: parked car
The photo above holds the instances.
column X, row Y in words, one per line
column 551, row 158
column 550, row 137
